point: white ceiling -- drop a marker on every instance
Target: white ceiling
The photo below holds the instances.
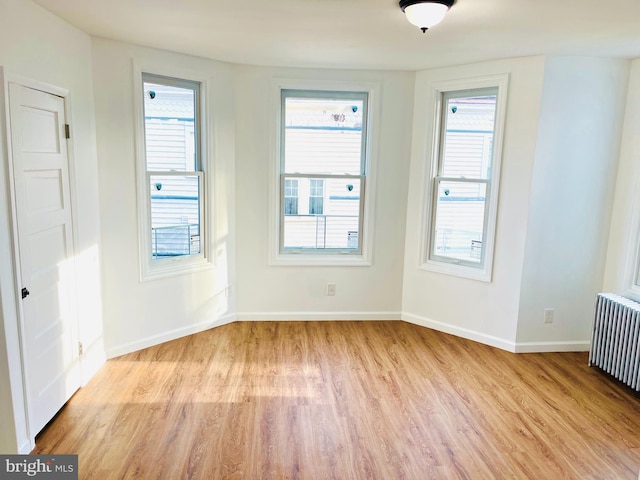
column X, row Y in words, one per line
column 361, row 33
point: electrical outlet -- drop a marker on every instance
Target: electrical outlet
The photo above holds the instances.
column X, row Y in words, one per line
column 548, row 315
column 331, row 289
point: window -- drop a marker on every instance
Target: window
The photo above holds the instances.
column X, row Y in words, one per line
column 464, row 185
column 316, row 196
column 322, row 171
column 291, row 196
column 174, row 184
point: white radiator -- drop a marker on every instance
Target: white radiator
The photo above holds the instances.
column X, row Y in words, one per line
column 615, row 339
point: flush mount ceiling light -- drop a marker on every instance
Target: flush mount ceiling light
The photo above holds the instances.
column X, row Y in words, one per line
column 425, row 13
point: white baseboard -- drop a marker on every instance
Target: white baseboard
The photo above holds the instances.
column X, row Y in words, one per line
column 307, row 316
column 501, row 343
column 247, row 317
column 517, row 347
column 547, row 347
column 480, row 337
column 168, row 336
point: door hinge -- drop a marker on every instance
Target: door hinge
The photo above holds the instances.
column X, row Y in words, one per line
column 25, row 293
column 80, row 349
column 67, row 131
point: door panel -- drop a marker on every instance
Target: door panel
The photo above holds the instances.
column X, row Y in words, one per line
column 45, row 251
column 44, row 191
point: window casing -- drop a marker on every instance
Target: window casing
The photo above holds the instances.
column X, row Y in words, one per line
column 171, row 165
column 323, row 148
column 461, row 209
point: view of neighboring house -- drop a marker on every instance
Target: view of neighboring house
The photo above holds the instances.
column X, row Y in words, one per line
column 169, row 116
column 322, row 137
column 465, row 167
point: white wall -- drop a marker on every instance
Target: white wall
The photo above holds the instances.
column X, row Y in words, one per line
column 625, row 217
column 571, row 196
column 138, row 314
column 39, row 46
column 482, row 311
column 298, row 292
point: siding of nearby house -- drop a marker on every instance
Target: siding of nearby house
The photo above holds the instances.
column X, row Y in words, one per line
column 170, row 147
column 325, row 150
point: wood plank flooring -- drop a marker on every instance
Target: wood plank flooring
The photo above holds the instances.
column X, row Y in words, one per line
column 347, row 400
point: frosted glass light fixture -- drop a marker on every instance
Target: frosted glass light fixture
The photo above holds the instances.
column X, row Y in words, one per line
column 425, row 13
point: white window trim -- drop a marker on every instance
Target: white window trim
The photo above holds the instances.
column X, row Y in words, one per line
column 151, row 269
column 431, row 170
column 365, row 257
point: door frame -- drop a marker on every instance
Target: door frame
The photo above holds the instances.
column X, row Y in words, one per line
column 10, row 276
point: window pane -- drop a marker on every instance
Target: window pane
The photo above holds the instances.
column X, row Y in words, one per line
column 291, row 187
column 316, row 205
column 468, row 136
column 291, row 196
column 175, row 215
column 290, row 205
column 316, row 196
column 323, row 135
column 169, row 124
column 330, row 221
column 460, row 220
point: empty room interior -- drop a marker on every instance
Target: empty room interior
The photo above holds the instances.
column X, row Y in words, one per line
column 320, row 239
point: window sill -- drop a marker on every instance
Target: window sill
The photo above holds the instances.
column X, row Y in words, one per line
column 462, row 271
column 320, row 260
column 173, row 267
column 632, row 293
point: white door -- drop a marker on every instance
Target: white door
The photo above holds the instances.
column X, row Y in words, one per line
column 45, row 252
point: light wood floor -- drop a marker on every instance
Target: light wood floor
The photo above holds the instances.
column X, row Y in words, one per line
column 347, row 400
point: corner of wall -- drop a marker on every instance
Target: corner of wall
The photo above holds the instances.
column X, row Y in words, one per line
column 625, row 218
column 572, row 187
column 489, row 309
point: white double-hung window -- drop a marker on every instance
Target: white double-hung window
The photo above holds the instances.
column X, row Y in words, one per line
column 323, row 170
column 462, row 207
column 171, row 186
